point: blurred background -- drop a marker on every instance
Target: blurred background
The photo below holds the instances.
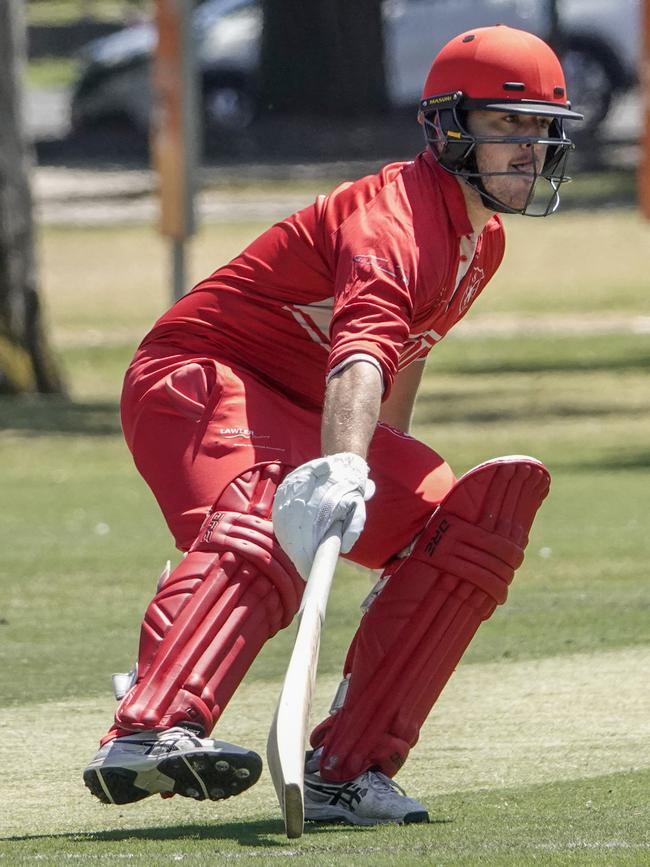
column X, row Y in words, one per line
column 292, row 98
column 289, row 100
column 89, row 72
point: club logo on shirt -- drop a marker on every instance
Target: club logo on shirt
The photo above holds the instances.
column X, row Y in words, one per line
column 388, row 267
column 474, row 285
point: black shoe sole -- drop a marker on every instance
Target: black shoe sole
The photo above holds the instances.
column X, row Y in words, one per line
column 224, row 776
column 339, row 819
column 120, row 782
column 195, row 775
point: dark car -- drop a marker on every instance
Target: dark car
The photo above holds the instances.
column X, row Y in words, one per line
column 114, row 83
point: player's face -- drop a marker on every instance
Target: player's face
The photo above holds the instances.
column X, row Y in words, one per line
column 520, row 161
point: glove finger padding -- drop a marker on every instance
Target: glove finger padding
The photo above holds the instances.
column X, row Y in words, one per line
column 316, row 495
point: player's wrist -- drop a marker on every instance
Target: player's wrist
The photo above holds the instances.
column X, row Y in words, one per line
column 350, row 465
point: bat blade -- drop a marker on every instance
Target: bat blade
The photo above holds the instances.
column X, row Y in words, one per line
column 287, row 741
column 288, row 736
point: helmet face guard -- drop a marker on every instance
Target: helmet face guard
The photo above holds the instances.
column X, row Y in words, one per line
column 455, row 149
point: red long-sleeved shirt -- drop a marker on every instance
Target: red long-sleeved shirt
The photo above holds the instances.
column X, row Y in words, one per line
column 369, row 269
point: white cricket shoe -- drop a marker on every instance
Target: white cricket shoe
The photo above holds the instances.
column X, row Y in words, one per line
column 171, row 762
column 370, row 799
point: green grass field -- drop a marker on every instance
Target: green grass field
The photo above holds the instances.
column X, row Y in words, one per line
column 538, row 752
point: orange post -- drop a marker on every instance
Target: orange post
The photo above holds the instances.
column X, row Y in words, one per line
column 644, row 76
column 174, row 134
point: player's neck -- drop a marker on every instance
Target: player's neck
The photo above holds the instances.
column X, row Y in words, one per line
column 476, row 211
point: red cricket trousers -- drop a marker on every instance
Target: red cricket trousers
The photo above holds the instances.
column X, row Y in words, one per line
column 194, row 423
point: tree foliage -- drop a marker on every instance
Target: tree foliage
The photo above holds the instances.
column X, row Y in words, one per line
column 26, row 363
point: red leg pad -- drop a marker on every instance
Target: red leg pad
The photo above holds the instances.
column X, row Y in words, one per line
column 233, row 591
column 418, row 627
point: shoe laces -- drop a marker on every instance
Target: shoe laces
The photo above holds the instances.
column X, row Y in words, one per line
column 176, row 733
column 382, row 783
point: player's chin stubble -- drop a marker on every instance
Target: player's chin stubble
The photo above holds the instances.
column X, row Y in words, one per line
column 512, row 191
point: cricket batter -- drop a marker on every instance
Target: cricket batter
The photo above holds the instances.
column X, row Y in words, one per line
column 275, row 399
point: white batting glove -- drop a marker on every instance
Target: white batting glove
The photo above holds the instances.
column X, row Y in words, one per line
column 315, row 496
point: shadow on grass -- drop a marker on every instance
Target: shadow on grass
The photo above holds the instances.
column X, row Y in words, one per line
column 261, row 833
column 454, row 408
column 588, row 363
column 610, row 462
column 266, row 832
column 47, row 415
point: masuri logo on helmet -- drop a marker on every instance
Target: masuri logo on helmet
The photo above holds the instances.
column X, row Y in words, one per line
column 499, row 69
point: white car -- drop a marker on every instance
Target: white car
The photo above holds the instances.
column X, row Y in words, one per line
column 601, row 53
column 598, row 42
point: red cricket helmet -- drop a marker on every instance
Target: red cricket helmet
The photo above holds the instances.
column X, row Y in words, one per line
column 503, row 69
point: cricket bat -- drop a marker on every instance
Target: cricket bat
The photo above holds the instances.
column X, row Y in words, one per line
column 287, row 741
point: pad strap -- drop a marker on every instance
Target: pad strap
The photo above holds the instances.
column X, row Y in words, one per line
column 420, row 624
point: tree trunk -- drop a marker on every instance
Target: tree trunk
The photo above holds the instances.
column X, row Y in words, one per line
column 323, row 57
column 25, row 360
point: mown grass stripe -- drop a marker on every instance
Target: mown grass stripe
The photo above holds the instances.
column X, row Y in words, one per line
column 497, row 725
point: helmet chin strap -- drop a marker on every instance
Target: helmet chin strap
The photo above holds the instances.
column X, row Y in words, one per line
column 474, row 179
column 491, row 202
column 470, row 175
